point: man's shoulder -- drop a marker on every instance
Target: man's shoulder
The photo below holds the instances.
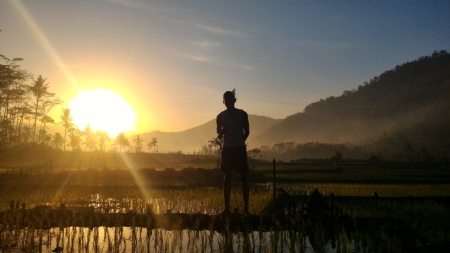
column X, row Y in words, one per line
column 221, row 113
column 243, row 112
column 225, row 112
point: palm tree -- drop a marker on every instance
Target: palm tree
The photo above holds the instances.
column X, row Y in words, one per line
column 39, row 90
column 58, row 140
column 122, row 141
column 90, row 142
column 153, row 144
column 44, row 137
column 103, row 137
column 43, row 128
column 66, row 120
column 24, row 130
column 138, row 143
column 74, row 138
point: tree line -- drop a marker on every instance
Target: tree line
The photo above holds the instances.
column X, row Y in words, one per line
column 387, row 147
column 25, row 104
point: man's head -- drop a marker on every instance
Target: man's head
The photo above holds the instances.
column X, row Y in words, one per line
column 229, row 99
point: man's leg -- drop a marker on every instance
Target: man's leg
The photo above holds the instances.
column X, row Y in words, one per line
column 227, row 190
column 245, row 190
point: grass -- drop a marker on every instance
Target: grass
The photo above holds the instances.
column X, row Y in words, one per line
column 194, row 190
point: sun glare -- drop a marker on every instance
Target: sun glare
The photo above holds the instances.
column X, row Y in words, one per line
column 103, row 110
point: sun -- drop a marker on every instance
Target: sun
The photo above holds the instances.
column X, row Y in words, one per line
column 102, row 109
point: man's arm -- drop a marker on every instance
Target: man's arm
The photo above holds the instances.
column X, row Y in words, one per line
column 246, row 126
column 219, row 128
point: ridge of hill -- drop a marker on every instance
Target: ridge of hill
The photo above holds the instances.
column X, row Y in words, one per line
column 407, row 105
column 194, row 138
column 411, row 100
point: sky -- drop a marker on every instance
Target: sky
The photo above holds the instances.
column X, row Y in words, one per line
column 173, row 60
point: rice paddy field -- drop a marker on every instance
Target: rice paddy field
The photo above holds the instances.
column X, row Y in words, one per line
column 378, row 208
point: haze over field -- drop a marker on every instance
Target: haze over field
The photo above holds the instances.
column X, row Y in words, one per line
column 171, row 61
column 402, row 108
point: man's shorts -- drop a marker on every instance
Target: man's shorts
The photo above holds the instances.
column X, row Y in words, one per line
column 234, row 158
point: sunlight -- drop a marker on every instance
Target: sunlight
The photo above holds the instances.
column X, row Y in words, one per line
column 45, row 42
column 102, row 109
column 136, row 175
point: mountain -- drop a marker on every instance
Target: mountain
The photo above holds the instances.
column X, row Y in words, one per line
column 405, row 107
column 194, row 138
column 410, row 101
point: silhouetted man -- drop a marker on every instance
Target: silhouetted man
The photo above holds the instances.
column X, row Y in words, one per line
column 233, row 127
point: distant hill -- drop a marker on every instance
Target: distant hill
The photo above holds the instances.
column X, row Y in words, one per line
column 410, row 101
column 405, row 107
column 194, row 138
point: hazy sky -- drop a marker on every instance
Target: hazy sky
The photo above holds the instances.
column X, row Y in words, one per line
column 172, row 60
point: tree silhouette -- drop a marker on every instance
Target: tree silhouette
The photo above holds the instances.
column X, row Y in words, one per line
column 206, row 149
column 214, row 145
column 336, row 158
column 13, row 99
column 90, row 141
column 153, row 144
column 43, row 136
column 58, row 140
column 39, row 90
column 103, row 137
column 74, row 138
column 66, row 121
column 138, row 143
column 254, row 153
column 44, row 119
column 122, row 141
column 25, row 134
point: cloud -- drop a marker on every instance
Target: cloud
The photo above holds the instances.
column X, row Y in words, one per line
column 207, row 45
column 216, row 30
column 215, row 61
column 139, row 5
column 197, row 58
column 238, row 65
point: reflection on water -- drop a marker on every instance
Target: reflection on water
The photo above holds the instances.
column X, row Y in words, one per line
column 104, row 204
column 127, row 239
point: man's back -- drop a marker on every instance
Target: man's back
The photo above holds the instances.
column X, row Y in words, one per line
column 232, row 123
